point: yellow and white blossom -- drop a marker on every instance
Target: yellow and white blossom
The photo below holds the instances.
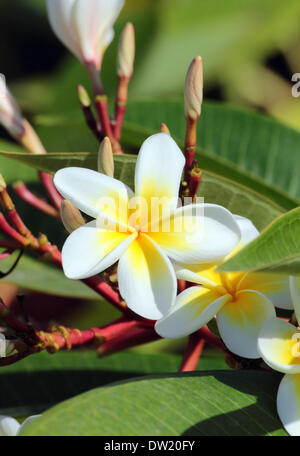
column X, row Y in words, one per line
column 124, row 232
column 279, row 346
column 242, row 302
column 85, row 26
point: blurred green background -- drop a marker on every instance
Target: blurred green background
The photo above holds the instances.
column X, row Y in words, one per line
column 250, row 50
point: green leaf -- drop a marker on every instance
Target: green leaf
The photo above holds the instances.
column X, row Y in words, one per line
column 43, row 380
column 31, row 274
column 192, row 404
column 276, row 250
column 8, row 168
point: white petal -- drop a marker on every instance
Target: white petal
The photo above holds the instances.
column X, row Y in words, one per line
column 198, row 233
column 93, row 192
column 8, row 426
column 239, row 322
column 248, row 230
column 90, row 250
column 27, row 421
column 288, row 403
column 273, row 286
column 60, row 14
column 279, row 346
column 93, row 20
column 194, row 308
column 158, row 169
column 147, row 279
column 295, row 293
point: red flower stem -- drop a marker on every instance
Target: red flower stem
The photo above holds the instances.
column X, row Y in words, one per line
column 102, row 111
column 190, row 146
column 47, row 181
column 106, row 291
column 128, row 340
column 12, row 214
column 91, row 122
column 10, row 245
column 94, row 78
column 26, row 195
column 10, row 232
column 209, row 337
column 121, row 105
column 192, row 353
column 181, row 285
column 120, row 326
column 68, row 338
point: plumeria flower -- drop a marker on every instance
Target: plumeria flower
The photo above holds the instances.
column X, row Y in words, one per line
column 279, row 346
column 10, row 115
column 85, row 26
column 242, row 302
column 10, row 427
column 143, row 246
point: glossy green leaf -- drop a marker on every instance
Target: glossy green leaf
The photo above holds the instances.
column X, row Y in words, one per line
column 42, row 380
column 192, row 404
column 31, row 274
column 276, row 250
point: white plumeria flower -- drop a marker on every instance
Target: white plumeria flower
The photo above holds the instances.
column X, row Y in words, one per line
column 146, row 277
column 10, row 427
column 279, row 346
column 242, row 302
column 10, row 115
column 85, row 26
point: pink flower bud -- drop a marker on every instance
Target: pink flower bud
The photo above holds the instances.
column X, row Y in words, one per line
column 193, row 90
column 85, row 26
column 126, row 52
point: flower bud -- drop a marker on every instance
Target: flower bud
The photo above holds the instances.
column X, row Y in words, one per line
column 71, row 216
column 193, row 90
column 10, row 114
column 83, row 96
column 30, row 140
column 126, row 52
column 85, row 27
column 164, row 129
column 106, row 158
